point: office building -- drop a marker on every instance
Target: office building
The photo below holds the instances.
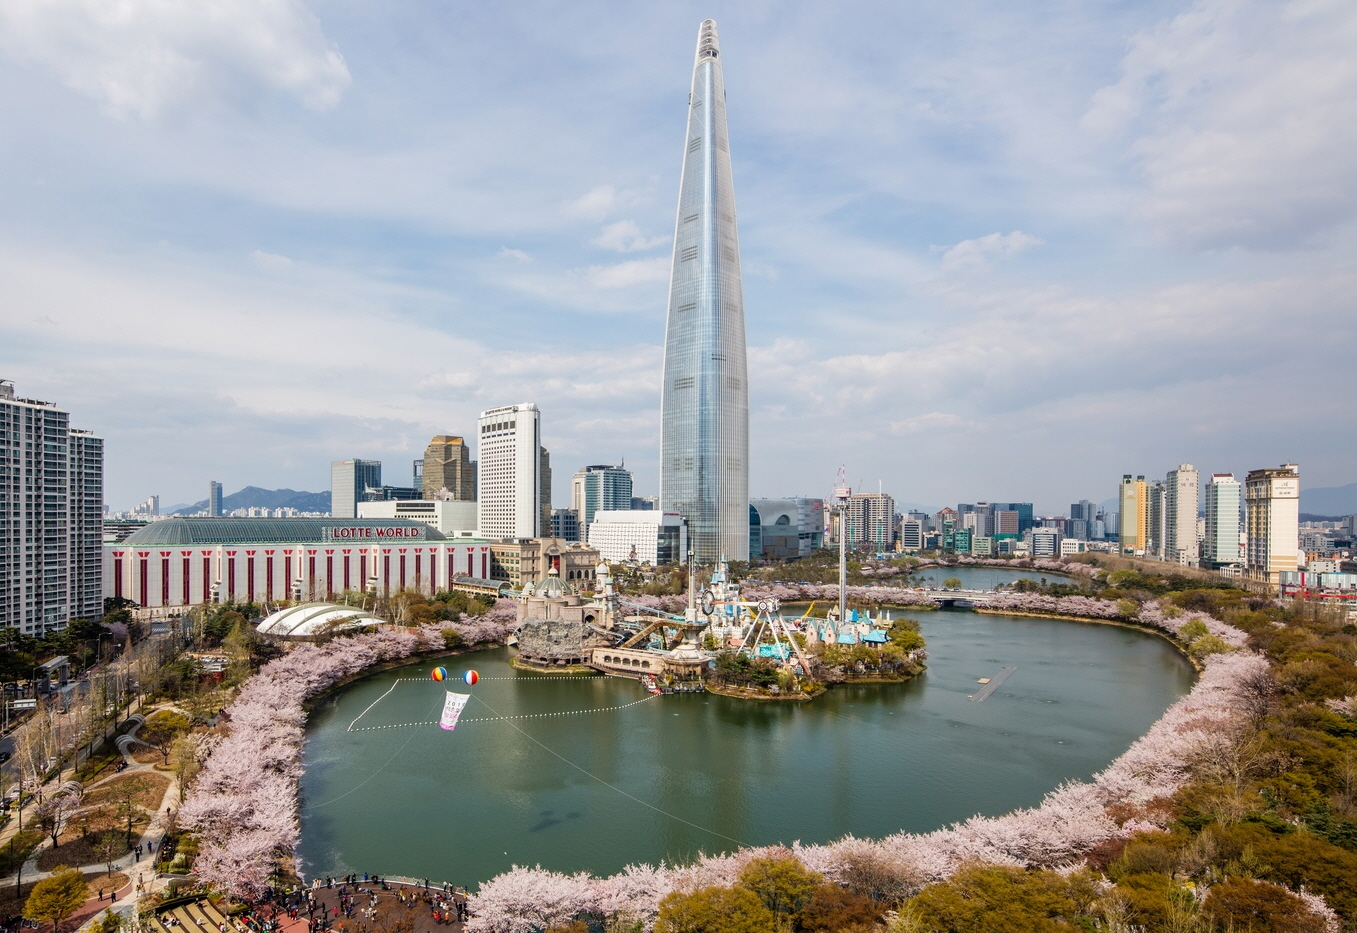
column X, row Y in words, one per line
column 565, row 524
column 1134, row 509
column 945, row 521
column 1024, row 510
column 1005, row 523
column 1180, row 515
column 911, row 536
column 599, row 487
column 214, row 497
column 644, row 536
column 1042, row 542
column 388, row 494
column 1083, row 514
column 447, row 470
column 349, row 482
column 510, row 462
column 544, row 489
column 453, row 519
column 1272, row 523
column 1220, row 546
column 784, row 529
column 51, row 517
column 704, row 406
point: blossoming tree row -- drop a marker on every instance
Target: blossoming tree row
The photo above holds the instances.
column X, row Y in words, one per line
column 243, row 804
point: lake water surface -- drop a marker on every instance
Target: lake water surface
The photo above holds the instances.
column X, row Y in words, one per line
column 676, row 775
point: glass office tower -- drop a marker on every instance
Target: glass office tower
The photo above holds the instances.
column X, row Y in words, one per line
column 704, row 440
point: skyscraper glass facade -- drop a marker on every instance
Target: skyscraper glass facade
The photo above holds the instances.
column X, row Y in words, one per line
column 704, row 442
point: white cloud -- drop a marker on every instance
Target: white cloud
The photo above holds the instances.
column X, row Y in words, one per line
column 517, row 255
column 624, row 236
column 271, row 261
column 929, row 421
column 142, row 57
column 979, row 251
column 1243, row 120
column 595, row 204
column 628, row 274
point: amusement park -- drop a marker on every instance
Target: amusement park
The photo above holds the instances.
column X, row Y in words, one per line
column 723, row 641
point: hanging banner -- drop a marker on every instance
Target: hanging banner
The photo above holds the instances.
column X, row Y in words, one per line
column 452, row 709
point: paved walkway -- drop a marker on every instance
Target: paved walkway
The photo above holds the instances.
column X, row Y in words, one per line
column 389, row 900
column 140, row 869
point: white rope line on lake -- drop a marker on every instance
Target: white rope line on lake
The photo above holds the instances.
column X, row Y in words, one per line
column 529, row 679
column 614, row 787
column 434, row 722
column 317, row 806
column 426, row 680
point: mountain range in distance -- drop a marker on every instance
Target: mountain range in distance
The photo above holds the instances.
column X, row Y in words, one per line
column 252, row 497
column 1329, row 501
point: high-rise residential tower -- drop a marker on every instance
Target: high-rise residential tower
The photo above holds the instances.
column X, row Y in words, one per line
column 349, row 482
column 1180, row 515
column 51, row 517
column 1133, row 503
column 448, row 472
column 1272, row 523
column 1154, row 493
column 1220, row 547
column 704, row 406
column 510, row 465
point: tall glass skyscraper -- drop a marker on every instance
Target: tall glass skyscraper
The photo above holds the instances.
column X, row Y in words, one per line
column 704, row 409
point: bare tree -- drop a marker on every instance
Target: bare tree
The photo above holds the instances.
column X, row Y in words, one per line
column 55, row 812
column 124, row 796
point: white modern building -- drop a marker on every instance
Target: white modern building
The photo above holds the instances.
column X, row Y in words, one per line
column 51, row 517
column 510, row 480
column 645, row 536
column 1180, row 515
column 911, row 536
column 1220, row 545
column 453, row 518
column 1042, row 542
column 1272, row 523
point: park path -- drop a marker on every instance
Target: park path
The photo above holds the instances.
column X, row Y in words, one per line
column 140, row 880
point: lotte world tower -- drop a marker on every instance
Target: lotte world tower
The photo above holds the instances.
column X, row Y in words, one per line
column 704, row 408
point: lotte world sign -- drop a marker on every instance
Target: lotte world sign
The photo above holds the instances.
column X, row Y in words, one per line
column 374, row 533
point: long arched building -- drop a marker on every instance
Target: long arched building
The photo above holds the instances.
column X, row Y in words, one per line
column 190, row 561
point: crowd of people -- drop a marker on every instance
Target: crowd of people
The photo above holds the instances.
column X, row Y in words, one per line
column 354, row 904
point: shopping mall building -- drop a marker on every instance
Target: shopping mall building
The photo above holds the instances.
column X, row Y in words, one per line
column 189, row 561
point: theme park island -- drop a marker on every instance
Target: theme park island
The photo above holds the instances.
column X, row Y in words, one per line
column 719, row 642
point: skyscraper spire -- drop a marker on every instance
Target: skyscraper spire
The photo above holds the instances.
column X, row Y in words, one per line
column 704, row 409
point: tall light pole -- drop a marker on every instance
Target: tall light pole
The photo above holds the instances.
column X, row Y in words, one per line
column 841, row 496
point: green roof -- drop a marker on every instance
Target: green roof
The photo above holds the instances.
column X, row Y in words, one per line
column 183, row 532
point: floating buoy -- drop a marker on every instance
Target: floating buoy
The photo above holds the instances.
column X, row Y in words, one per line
column 440, row 674
column 470, row 678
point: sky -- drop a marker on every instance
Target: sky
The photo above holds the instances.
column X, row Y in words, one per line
column 991, row 251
